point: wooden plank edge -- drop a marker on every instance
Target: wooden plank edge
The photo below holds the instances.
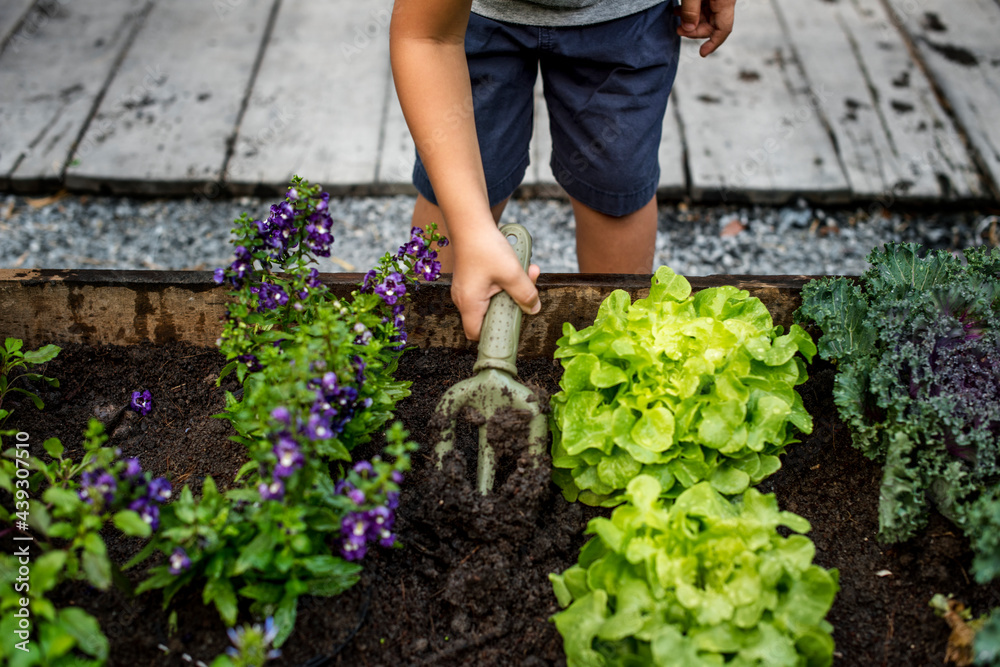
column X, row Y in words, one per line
column 133, row 307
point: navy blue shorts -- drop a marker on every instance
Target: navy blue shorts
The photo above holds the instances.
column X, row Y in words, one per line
column 606, row 87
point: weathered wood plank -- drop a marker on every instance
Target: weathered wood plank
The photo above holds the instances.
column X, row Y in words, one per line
column 129, row 307
column 316, row 106
column 673, row 179
column 11, row 13
column 50, row 81
column 959, row 46
column 165, row 123
column 752, row 126
column 893, row 137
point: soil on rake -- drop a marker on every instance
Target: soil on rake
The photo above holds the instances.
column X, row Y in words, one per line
column 471, row 585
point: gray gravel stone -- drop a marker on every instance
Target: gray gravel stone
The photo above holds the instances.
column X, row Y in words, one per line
column 190, row 234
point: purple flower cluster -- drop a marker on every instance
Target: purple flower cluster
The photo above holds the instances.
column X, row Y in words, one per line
column 318, row 236
column 335, row 404
column 148, row 503
column 269, row 296
column 289, row 459
column 359, row 528
column 142, row 402
column 425, row 265
column 101, row 485
column 239, row 269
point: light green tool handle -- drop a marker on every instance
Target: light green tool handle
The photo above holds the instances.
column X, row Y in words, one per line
column 502, row 325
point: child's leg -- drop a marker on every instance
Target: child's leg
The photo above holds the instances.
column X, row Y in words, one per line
column 606, row 88
column 425, row 212
column 609, row 244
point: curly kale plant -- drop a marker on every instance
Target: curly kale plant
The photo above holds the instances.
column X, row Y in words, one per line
column 684, row 388
column 917, row 347
column 702, row 582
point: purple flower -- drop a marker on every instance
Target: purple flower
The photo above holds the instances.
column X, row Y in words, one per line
column 132, row 468
column 359, row 373
column 442, row 242
column 415, row 247
column 292, row 194
column 391, row 288
column 386, row 539
column 428, row 268
column 243, row 264
column 288, row 454
column 97, row 484
column 364, row 335
column 251, row 361
column 357, row 496
column 179, row 561
column 369, row 281
column 159, row 490
column 318, row 427
column 148, row 511
column 364, row 468
column 354, row 529
column 281, row 414
column 269, row 296
column 312, row 282
column 273, row 491
column 380, row 518
column 397, row 477
column 142, row 402
column 392, row 500
column 318, row 236
column 328, row 383
column 219, row 276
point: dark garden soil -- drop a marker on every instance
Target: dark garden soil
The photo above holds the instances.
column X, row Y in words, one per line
column 471, row 585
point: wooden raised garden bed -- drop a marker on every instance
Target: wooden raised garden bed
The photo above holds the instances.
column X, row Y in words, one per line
column 470, row 585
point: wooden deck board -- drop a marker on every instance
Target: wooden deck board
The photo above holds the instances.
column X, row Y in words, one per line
column 50, row 81
column 752, row 126
column 960, row 49
column 316, row 106
column 165, row 123
column 893, row 137
column 11, row 13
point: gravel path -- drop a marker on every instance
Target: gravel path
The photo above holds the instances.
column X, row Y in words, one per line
column 122, row 233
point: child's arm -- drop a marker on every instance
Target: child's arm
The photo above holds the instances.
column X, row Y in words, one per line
column 427, row 46
column 707, row 18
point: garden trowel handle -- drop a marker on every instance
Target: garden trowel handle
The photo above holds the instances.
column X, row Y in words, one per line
column 502, row 325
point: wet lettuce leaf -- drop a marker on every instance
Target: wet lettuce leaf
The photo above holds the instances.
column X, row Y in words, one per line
column 678, row 386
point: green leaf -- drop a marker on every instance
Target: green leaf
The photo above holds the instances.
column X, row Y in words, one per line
column 729, row 481
column 284, row 618
column 85, row 629
column 53, row 447
column 130, row 523
column 46, row 569
column 97, row 568
column 63, row 499
column 258, row 554
column 42, row 354
column 220, row 592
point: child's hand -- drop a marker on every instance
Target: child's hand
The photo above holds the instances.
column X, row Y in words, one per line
column 484, row 266
column 706, row 18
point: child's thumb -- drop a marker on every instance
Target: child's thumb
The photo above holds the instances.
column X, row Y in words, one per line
column 524, row 292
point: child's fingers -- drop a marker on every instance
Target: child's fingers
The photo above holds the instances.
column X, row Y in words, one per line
column 524, row 292
column 690, row 13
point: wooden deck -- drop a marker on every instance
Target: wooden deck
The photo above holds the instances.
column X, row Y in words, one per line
column 831, row 100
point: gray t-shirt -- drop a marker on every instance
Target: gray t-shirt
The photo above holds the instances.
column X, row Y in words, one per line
column 559, row 12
